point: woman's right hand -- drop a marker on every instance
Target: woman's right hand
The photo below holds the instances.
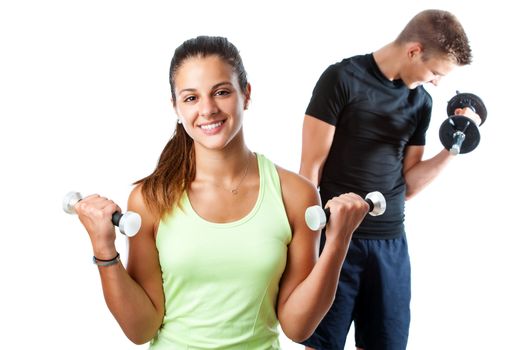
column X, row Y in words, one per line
column 347, row 211
column 95, row 214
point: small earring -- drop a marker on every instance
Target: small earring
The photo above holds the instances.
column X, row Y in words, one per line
column 179, row 121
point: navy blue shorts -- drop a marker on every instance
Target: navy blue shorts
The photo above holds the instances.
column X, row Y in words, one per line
column 374, row 293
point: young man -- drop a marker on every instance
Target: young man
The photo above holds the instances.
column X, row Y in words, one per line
column 364, row 130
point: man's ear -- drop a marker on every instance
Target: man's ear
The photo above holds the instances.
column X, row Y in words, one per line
column 414, row 49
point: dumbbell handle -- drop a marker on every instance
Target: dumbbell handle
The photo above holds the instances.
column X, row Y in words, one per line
column 316, row 217
column 128, row 223
column 458, row 137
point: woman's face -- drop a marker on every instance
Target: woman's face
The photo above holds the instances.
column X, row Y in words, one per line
column 209, row 101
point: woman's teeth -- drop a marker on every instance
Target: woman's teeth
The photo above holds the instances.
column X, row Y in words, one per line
column 211, row 126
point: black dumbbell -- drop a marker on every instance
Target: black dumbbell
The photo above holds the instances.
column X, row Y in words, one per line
column 128, row 223
column 316, row 217
column 458, row 133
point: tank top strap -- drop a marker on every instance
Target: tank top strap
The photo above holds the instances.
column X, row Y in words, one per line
column 269, row 176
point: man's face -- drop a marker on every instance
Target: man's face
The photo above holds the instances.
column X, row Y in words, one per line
column 430, row 70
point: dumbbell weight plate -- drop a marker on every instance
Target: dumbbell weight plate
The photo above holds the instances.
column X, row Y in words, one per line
column 459, row 123
column 463, row 100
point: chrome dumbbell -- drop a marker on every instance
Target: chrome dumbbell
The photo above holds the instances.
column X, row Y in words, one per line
column 128, row 223
column 316, row 217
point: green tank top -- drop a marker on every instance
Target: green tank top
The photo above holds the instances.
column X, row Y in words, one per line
column 221, row 280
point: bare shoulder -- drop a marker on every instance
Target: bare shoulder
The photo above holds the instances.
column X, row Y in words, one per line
column 137, row 203
column 135, row 197
column 298, row 193
column 293, row 182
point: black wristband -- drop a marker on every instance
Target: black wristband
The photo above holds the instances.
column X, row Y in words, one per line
column 104, row 262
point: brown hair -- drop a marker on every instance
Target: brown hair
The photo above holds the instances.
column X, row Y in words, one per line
column 176, row 166
column 440, row 34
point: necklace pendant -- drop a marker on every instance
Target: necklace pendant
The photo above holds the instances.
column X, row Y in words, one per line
column 235, row 191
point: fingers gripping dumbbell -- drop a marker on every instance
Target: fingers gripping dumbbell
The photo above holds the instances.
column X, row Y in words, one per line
column 458, row 133
column 127, row 223
column 316, row 217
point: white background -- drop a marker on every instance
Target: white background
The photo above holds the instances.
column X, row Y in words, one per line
column 84, row 105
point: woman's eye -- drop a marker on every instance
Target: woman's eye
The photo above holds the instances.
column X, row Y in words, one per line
column 222, row 93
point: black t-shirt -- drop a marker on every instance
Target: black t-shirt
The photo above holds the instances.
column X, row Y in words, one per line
column 375, row 120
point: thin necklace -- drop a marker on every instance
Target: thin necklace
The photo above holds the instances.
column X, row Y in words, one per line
column 235, row 190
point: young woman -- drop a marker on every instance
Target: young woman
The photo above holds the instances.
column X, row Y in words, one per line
column 223, row 254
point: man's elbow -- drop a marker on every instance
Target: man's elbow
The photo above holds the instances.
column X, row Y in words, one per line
column 410, row 192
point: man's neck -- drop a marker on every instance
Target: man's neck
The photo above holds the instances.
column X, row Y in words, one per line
column 389, row 59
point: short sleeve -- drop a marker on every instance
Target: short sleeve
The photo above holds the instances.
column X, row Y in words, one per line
column 330, row 96
column 419, row 136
